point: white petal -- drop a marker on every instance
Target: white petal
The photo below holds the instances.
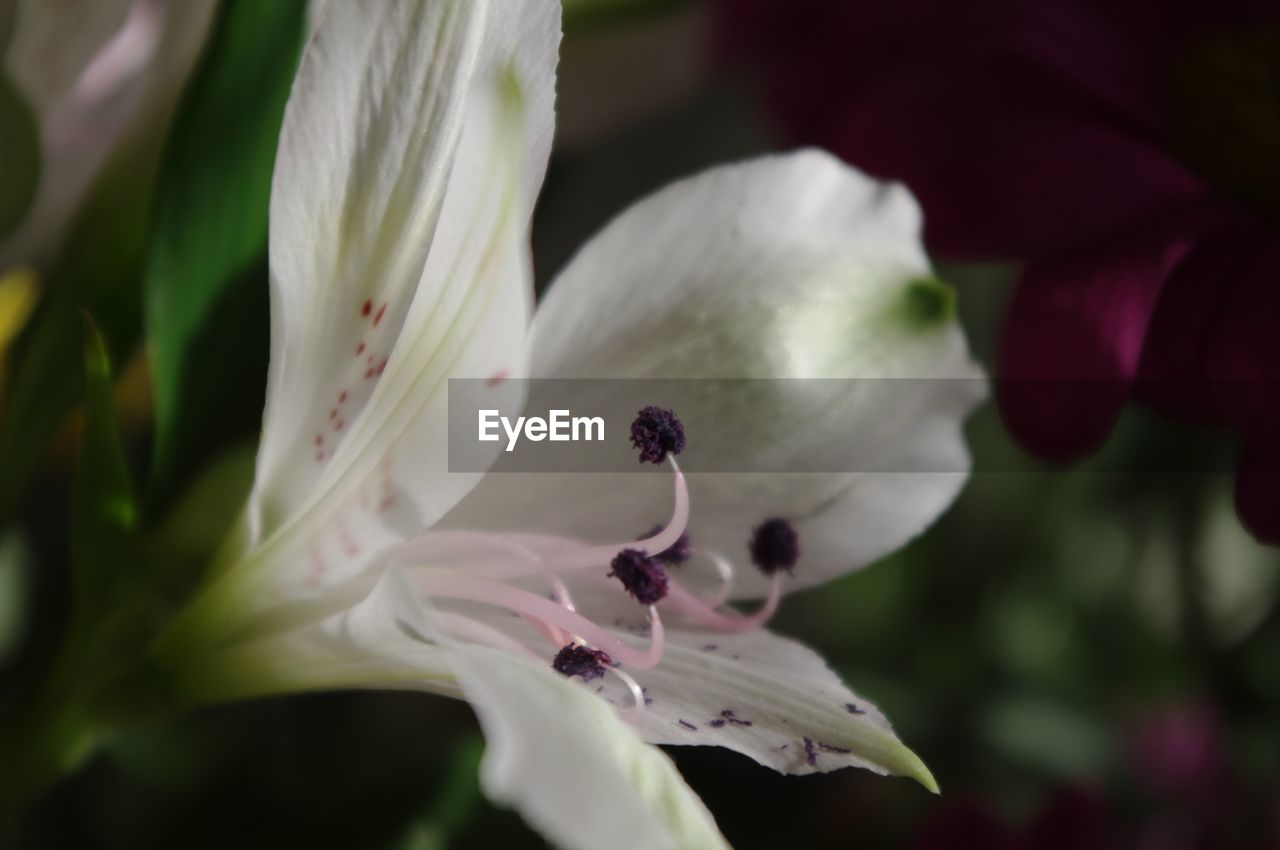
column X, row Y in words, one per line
column 556, row 751
column 787, row 267
column 94, row 73
column 564, row 759
column 413, row 145
column 764, row 696
column 374, row 639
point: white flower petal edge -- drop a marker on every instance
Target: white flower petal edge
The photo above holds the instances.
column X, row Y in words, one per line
column 760, row 694
column 413, row 146
column 771, row 699
column 94, row 73
column 565, row 759
column 554, row 750
column 796, row 267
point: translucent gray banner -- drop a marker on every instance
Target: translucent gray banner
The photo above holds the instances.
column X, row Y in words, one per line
column 755, row 425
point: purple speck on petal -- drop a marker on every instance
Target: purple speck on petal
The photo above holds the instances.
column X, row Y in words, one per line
column 853, row 709
column 657, row 432
column 686, row 724
column 828, row 748
column 775, row 546
column 642, row 576
column 717, row 723
column 810, row 754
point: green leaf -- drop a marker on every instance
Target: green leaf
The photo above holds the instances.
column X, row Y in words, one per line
column 99, row 271
column 104, row 513
column 19, row 155
column 205, row 277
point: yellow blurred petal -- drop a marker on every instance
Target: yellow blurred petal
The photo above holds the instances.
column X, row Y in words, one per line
column 17, row 299
column 18, row 293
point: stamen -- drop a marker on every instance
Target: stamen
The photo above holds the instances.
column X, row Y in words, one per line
column 685, row 602
column 677, row 553
column 657, row 432
column 637, row 692
column 558, row 554
column 594, row 556
column 775, row 546
column 456, row 586
column 725, row 570
column 642, row 576
column 577, row 659
column 459, row 544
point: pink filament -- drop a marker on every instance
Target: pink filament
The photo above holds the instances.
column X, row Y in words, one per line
column 459, row 544
column 726, row 579
column 682, row 600
column 454, row 586
column 593, row 556
column 559, row 554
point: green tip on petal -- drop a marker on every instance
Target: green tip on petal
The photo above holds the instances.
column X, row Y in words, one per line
column 916, row 769
column 928, row 301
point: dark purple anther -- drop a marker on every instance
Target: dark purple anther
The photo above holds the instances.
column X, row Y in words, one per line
column 657, row 432
column 577, row 659
column 642, row 576
column 676, row 553
column 775, row 546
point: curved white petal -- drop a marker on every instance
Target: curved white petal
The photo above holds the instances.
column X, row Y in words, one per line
column 93, row 73
column 771, row 699
column 556, row 751
column 413, row 146
column 372, row 640
column 571, row 766
column 787, row 267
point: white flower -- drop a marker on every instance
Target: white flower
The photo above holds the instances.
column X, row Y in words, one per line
column 413, row 147
column 93, row 73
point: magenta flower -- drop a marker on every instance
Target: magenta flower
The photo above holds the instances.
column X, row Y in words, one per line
column 1180, row 754
column 1072, row 819
column 1126, row 151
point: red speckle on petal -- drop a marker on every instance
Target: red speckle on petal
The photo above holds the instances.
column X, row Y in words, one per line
column 378, row 318
column 359, row 349
column 337, row 426
column 386, row 503
column 382, row 366
column 333, row 414
column 319, row 457
column 367, row 308
column 497, row 378
column 319, row 439
column 342, row 397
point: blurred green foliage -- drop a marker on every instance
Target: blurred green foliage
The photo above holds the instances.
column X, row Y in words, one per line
column 103, row 508
column 19, row 155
